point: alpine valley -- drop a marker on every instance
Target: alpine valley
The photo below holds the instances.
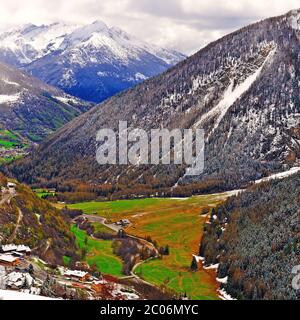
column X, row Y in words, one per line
column 114, row 232
column 230, row 88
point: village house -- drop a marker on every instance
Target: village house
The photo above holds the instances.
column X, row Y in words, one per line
column 77, row 275
column 16, row 250
column 11, row 187
column 8, row 260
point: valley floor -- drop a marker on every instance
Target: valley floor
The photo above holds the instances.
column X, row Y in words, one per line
column 176, row 223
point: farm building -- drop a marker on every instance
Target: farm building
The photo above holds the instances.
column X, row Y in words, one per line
column 77, row 275
column 11, row 187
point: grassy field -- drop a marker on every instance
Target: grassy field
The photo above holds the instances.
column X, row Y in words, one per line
column 101, row 228
column 173, row 222
column 9, row 140
column 98, row 252
column 43, row 192
column 121, row 208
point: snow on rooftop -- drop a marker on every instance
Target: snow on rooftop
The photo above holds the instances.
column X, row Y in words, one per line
column 22, row 248
column 17, row 248
column 225, row 296
column 7, row 258
column 9, row 247
column 212, row 267
column 222, row 280
column 75, row 273
column 20, row 296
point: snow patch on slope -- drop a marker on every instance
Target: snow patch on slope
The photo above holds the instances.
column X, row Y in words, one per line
column 280, row 175
column 231, row 95
column 6, row 81
column 9, row 98
column 67, row 100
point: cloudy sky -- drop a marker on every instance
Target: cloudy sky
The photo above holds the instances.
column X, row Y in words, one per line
column 185, row 25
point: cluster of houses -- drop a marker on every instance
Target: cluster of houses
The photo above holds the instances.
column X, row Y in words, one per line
column 104, row 287
column 14, row 270
column 18, row 274
column 16, row 280
column 11, row 254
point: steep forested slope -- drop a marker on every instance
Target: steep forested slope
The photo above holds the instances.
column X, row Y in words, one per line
column 256, row 239
column 31, row 108
column 26, row 219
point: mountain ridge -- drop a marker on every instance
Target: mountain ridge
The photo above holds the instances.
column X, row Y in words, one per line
column 92, row 62
column 230, row 88
column 32, row 108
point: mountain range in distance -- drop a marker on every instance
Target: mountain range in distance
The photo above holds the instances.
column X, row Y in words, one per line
column 92, row 62
column 33, row 109
column 230, row 88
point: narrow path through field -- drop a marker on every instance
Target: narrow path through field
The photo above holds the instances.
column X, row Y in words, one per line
column 102, row 220
column 19, row 220
column 6, row 198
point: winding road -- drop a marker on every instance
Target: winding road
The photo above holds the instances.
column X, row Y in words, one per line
column 6, row 198
column 19, row 220
column 102, row 220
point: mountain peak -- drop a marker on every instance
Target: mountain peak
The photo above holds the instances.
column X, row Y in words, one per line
column 84, row 33
column 96, row 52
column 99, row 24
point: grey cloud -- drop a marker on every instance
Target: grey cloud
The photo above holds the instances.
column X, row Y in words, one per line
column 186, row 25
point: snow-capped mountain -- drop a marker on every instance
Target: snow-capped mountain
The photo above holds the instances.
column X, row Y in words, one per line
column 24, row 44
column 31, row 108
column 92, row 62
column 242, row 89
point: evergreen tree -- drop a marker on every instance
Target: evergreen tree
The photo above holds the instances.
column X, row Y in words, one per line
column 194, row 265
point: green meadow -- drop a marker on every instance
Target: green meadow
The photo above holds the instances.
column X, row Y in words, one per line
column 98, row 252
column 9, row 140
